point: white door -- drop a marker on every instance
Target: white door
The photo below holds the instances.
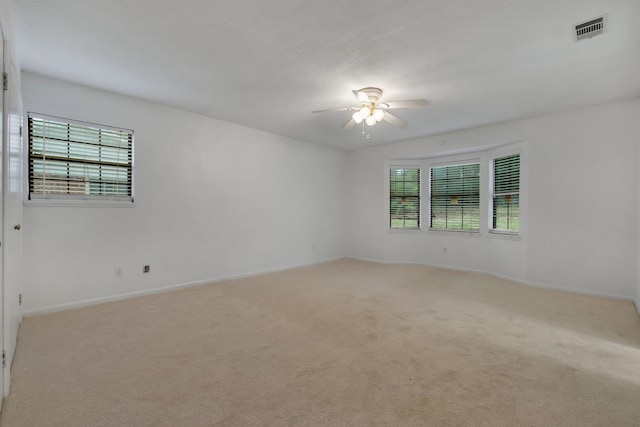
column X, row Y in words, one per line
column 12, row 215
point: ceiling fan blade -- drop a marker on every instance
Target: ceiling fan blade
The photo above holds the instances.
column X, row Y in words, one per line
column 362, row 96
column 334, row 109
column 411, row 103
column 350, row 124
column 394, row 120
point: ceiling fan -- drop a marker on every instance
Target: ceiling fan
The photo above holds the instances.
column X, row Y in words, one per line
column 372, row 111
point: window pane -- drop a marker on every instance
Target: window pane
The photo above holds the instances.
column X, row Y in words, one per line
column 455, row 197
column 506, row 193
column 404, row 198
column 76, row 159
column 506, row 173
column 506, row 213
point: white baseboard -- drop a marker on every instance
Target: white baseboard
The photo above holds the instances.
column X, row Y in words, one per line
column 513, row 279
column 118, row 297
column 111, row 298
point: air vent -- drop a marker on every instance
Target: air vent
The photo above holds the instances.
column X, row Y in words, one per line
column 590, row 29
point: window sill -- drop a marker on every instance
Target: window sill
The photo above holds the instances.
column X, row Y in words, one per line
column 404, row 230
column 50, row 203
column 466, row 233
column 505, row 235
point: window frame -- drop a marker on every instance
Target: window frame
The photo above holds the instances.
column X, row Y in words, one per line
column 490, row 169
column 81, row 200
column 480, row 154
column 413, row 165
column 456, row 161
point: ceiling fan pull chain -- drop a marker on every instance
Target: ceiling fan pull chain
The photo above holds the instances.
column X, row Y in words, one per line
column 365, row 135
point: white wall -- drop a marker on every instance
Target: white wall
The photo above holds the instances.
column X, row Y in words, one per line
column 267, row 202
column 213, row 200
column 580, row 203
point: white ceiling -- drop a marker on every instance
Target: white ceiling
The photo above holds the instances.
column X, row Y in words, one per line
column 268, row 64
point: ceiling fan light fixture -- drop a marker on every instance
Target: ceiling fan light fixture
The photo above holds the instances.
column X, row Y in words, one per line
column 372, row 111
column 378, row 114
column 365, row 111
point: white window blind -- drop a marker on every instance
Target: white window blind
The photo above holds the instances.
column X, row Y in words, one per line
column 404, row 198
column 506, row 193
column 76, row 160
column 455, row 197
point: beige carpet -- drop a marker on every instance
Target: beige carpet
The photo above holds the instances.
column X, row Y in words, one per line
column 347, row 343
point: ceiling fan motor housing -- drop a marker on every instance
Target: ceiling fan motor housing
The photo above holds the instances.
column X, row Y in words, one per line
column 373, row 93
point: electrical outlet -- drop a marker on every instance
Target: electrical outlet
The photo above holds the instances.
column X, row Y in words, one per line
column 117, row 272
column 146, row 269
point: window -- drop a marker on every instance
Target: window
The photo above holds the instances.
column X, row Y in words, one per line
column 404, row 198
column 455, row 197
column 506, row 194
column 77, row 160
